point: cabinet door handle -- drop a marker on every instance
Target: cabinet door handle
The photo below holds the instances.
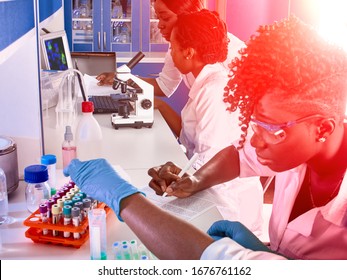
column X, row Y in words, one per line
column 105, row 41
column 99, row 40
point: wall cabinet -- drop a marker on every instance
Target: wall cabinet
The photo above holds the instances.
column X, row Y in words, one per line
column 112, row 25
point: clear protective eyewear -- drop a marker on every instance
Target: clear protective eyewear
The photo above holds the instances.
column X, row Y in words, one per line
column 274, row 133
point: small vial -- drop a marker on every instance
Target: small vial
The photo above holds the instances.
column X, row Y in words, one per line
column 50, row 161
column 87, row 204
column 117, row 252
column 67, row 219
column 44, row 216
column 37, row 190
column 55, row 218
column 50, row 203
column 97, row 233
column 75, row 215
column 133, row 250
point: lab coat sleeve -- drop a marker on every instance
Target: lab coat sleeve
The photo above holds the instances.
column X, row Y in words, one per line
column 228, row 249
column 169, row 78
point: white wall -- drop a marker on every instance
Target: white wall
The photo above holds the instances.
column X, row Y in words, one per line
column 20, row 112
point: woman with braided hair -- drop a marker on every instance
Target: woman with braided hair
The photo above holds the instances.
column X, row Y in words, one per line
column 170, row 77
column 291, row 88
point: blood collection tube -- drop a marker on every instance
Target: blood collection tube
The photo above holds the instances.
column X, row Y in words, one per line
column 133, row 250
column 55, row 218
column 75, row 214
column 67, row 218
column 87, row 205
column 68, row 202
column 50, row 203
column 44, row 216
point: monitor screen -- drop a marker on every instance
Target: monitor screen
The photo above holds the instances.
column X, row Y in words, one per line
column 55, row 51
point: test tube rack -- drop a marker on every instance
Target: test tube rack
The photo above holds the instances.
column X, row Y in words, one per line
column 37, row 228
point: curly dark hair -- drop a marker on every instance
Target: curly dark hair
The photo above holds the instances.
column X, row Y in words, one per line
column 206, row 33
column 184, row 6
column 290, row 59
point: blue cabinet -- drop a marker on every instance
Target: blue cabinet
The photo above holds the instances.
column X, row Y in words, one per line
column 112, row 25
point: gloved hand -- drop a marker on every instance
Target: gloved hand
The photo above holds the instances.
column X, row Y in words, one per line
column 100, row 181
column 237, row 232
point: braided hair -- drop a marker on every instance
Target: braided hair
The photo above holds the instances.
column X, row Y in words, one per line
column 288, row 59
column 184, row 6
column 206, row 33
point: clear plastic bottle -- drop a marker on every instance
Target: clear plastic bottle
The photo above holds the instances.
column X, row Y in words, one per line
column 3, row 198
column 68, row 147
column 51, row 162
column 37, row 190
column 88, row 134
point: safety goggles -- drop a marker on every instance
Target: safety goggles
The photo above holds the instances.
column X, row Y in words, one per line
column 275, row 133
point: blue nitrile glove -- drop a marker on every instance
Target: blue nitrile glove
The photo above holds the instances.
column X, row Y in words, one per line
column 100, row 181
column 237, row 232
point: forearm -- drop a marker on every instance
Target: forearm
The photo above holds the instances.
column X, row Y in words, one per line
column 223, row 167
column 170, row 116
column 166, row 236
column 157, row 90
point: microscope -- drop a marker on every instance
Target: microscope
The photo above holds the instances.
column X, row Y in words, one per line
column 135, row 103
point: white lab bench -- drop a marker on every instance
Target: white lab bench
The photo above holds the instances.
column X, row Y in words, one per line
column 135, row 150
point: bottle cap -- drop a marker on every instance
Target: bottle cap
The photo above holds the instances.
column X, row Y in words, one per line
column 87, row 107
column 48, row 159
column 86, row 203
column 36, row 173
column 68, row 136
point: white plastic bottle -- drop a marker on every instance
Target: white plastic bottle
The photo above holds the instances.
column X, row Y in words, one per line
column 88, row 134
column 68, row 147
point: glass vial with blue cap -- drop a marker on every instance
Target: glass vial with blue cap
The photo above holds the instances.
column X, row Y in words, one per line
column 50, row 161
column 37, row 190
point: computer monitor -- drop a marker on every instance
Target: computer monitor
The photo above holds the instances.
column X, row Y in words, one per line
column 55, row 51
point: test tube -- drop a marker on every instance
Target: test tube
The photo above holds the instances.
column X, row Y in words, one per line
column 97, row 233
column 87, row 205
column 117, row 252
column 126, row 252
column 50, row 203
column 75, row 214
column 55, row 218
column 44, row 216
column 134, row 250
column 67, row 218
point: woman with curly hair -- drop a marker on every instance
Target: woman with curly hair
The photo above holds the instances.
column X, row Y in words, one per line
column 291, row 88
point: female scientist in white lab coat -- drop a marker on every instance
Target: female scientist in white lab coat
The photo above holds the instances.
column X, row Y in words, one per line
column 170, row 77
column 290, row 85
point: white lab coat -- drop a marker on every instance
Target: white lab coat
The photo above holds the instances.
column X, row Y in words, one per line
column 207, row 128
column 170, row 77
column 320, row 233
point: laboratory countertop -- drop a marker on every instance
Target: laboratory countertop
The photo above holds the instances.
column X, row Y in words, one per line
column 134, row 150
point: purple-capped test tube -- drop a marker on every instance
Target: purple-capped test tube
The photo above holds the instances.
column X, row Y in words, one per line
column 44, row 216
column 50, row 203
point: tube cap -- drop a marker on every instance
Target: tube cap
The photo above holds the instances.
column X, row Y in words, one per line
column 48, row 159
column 36, row 173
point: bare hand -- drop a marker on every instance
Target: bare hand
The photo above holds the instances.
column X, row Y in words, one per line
column 105, row 78
column 165, row 179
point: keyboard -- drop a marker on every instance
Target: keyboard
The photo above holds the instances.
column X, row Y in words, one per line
column 107, row 104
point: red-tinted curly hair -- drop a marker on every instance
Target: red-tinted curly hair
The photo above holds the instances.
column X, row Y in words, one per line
column 291, row 59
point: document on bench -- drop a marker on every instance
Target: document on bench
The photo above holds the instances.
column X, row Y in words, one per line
column 187, row 208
